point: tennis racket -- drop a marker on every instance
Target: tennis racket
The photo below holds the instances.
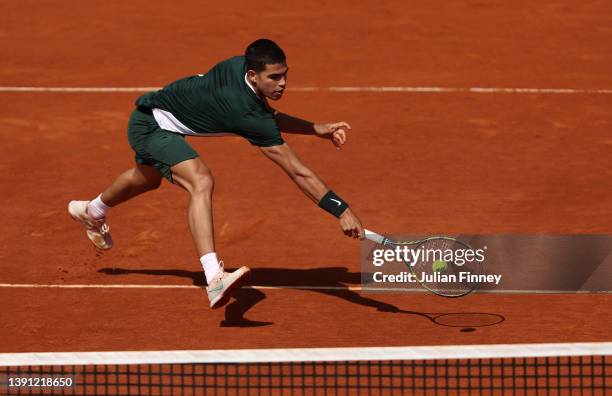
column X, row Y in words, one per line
column 442, row 271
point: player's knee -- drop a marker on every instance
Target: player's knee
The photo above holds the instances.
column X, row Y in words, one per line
column 146, row 184
column 203, row 183
column 144, row 180
column 153, row 184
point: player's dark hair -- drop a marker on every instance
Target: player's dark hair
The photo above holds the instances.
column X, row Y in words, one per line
column 263, row 52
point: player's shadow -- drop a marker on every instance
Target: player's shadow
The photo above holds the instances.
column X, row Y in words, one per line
column 333, row 281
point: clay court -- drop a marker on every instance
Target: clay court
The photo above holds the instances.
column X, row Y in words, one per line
column 467, row 116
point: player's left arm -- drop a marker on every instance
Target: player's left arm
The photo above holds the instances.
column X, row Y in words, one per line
column 336, row 131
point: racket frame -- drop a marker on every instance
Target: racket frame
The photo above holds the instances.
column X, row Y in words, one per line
column 382, row 240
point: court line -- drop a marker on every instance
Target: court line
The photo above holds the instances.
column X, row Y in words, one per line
column 280, row 287
column 491, row 351
column 407, row 89
column 144, row 286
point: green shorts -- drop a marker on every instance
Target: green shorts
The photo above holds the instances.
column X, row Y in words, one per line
column 155, row 146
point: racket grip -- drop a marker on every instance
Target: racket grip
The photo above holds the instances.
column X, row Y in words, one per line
column 374, row 237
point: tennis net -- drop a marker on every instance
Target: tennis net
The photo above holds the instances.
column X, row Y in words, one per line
column 528, row 369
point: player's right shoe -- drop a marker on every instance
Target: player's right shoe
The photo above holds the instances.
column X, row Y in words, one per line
column 97, row 231
column 220, row 289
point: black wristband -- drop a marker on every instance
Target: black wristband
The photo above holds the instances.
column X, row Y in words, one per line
column 333, row 204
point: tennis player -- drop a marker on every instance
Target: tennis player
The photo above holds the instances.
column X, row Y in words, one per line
column 232, row 98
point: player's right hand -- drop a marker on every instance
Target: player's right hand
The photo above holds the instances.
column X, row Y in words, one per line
column 351, row 226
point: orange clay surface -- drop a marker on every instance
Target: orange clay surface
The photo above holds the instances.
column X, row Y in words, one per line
column 414, row 163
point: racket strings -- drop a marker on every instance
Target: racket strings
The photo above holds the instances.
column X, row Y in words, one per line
column 443, row 269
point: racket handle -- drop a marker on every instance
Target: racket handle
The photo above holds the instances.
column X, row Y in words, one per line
column 374, row 237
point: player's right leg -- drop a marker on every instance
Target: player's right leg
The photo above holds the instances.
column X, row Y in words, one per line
column 195, row 177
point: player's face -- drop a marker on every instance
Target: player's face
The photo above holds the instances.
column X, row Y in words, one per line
column 271, row 82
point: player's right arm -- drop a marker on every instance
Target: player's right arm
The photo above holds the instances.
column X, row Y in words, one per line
column 311, row 184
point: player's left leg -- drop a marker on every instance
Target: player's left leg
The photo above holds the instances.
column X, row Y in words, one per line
column 133, row 182
column 143, row 134
column 92, row 214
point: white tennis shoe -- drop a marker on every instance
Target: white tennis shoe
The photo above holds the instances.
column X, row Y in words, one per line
column 97, row 231
column 224, row 283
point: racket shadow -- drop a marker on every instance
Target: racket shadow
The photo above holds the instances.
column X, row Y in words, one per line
column 331, row 281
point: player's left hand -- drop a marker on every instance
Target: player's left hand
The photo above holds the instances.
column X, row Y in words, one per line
column 336, row 132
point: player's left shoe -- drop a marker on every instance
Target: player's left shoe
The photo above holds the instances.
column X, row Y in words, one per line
column 97, row 231
column 221, row 287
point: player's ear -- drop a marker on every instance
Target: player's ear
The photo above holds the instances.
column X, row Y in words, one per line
column 251, row 74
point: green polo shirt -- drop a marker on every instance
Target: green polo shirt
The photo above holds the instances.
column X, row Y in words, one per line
column 219, row 101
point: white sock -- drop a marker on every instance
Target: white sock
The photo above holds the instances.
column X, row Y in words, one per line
column 97, row 209
column 211, row 266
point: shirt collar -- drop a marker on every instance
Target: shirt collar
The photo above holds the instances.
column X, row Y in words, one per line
column 249, row 84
